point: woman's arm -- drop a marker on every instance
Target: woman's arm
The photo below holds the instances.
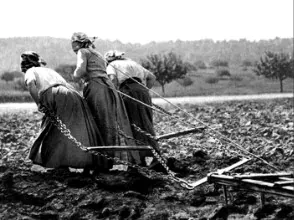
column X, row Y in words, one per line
column 33, row 91
column 81, row 68
column 114, row 80
column 112, row 75
column 31, row 84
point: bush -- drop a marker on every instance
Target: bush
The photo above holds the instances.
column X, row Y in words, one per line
column 218, row 63
column 10, row 76
column 212, row 80
column 19, row 84
column 187, row 81
column 247, row 63
column 15, row 96
column 190, row 67
column 223, row 72
column 236, row 78
column 200, row 64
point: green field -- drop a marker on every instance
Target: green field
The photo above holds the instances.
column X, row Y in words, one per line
column 241, row 82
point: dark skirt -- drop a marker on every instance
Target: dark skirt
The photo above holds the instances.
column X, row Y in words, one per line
column 139, row 114
column 110, row 115
column 52, row 148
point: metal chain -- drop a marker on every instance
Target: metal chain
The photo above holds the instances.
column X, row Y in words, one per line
column 162, row 161
column 66, row 132
column 154, row 152
column 138, row 129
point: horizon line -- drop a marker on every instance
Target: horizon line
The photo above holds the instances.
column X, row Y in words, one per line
column 159, row 41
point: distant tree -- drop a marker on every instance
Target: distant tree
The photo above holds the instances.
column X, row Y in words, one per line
column 10, row 76
column 212, row 80
column 223, row 73
column 186, row 81
column 166, row 67
column 275, row 66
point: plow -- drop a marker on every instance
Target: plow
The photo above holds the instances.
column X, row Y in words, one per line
column 277, row 183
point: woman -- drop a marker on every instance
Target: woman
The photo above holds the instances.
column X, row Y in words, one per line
column 132, row 79
column 52, row 149
column 105, row 103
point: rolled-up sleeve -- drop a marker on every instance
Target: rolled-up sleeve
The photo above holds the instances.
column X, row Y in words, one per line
column 81, row 68
column 30, row 77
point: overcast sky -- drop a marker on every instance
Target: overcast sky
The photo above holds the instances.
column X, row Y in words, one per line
column 142, row 21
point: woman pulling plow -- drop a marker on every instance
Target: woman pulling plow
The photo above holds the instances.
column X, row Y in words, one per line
column 52, row 149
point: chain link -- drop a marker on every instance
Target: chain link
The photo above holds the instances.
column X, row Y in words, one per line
column 171, row 176
column 66, row 132
column 138, row 129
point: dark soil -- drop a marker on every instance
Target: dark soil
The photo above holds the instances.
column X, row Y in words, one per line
column 263, row 128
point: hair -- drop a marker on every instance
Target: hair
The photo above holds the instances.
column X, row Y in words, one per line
column 83, row 40
column 30, row 59
column 87, row 44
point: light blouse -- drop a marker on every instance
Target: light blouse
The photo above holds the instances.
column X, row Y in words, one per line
column 43, row 78
column 124, row 69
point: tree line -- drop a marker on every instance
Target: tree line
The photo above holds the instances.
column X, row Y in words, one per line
column 170, row 66
column 57, row 51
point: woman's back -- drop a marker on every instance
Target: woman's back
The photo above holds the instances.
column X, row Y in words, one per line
column 44, row 78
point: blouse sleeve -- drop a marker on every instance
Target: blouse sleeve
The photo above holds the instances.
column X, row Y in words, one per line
column 81, row 68
column 110, row 70
column 30, row 77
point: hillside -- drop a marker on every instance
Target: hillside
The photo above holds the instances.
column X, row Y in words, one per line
column 58, row 51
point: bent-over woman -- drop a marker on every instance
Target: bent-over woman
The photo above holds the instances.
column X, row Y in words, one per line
column 52, row 149
column 132, row 79
column 104, row 101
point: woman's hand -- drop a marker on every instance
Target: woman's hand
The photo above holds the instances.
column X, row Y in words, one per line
column 41, row 108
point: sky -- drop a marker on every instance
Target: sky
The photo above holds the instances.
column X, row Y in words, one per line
column 143, row 21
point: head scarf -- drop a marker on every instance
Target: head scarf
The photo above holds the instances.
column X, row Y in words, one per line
column 30, row 59
column 83, row 40
column 113, row 55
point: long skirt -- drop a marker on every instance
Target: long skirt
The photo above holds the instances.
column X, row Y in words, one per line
column 139, row 114
column 111, row 117
column 52, row 148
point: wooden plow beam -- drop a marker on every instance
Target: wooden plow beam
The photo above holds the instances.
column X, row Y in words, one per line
column 221, row 171
column 263, row 183
column 146, row 148
column 119, row 148
column 180, row 133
